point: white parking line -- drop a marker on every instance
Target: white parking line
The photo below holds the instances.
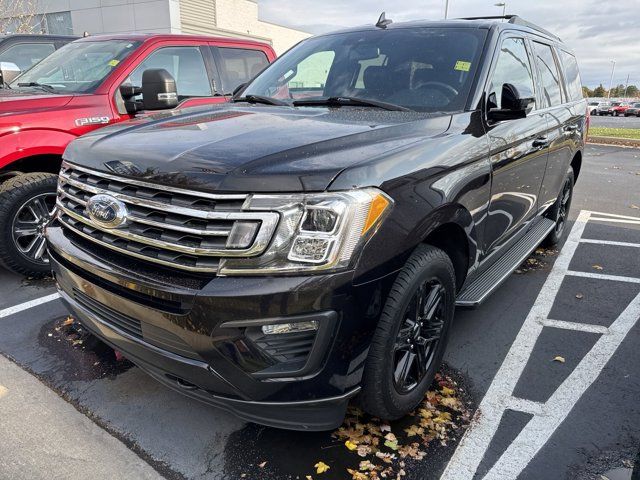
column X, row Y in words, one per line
column 547, row 416
column 609, row 242
column 603, row 276
column 27, row 305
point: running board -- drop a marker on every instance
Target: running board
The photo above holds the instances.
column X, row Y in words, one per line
column 484, row 285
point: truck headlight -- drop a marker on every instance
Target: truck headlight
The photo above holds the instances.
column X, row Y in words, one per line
column 316, row 232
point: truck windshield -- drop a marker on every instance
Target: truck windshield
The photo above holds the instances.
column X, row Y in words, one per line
column 423, row 69
column 78, row 67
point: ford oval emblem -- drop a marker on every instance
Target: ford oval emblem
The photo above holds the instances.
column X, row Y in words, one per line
column 107, row 211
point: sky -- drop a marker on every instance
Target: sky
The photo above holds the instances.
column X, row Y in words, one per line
column 597, row 31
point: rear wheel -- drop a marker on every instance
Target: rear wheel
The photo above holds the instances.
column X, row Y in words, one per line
column 560, row 211
column 409, row 342
column 27, row 204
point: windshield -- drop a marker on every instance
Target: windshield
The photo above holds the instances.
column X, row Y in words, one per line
column 78, row 67
column 423, row 69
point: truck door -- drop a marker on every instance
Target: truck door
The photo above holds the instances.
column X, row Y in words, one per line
column 518, row 148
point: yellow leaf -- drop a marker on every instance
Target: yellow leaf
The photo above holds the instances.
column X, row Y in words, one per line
column 447, row 391
column 308, row 477
column 350, row 445
column 356, row 475
column 559, row 359
column 414, row 430
column 598, row 267
column 321, row 467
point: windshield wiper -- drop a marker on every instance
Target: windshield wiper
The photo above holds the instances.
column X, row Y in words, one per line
column 43, row 86
column 354, row 101
column 260, row 99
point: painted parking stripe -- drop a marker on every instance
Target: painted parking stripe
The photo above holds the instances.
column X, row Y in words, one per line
column 609, row 242
column 27, row 305
column 603, row 276
column 548, row 416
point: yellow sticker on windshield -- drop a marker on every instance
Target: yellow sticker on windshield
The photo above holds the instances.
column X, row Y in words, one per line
column 462, row 66
column 113, row 63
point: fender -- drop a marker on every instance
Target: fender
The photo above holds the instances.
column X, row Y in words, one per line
column 27, row 143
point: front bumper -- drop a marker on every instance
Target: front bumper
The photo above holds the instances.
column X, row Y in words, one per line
column 203, row 337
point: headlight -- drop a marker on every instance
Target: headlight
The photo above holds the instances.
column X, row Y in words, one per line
column 316, row 232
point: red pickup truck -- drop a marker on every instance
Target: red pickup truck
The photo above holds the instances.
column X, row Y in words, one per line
column 85, row 85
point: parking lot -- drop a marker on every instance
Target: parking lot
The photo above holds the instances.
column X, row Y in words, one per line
column 548, row 365
column 615, row 122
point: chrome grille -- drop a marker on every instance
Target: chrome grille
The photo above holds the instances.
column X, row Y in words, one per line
column 170, row 226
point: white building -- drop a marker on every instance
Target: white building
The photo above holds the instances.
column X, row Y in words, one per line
column 229, row 18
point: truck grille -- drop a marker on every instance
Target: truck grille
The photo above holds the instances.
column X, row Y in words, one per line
column 170, row 226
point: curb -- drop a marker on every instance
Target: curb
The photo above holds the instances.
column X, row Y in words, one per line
column 630, row 142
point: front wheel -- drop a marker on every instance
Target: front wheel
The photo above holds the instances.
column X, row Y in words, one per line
column 27, row 204
column 411, row 336
column 559, row 212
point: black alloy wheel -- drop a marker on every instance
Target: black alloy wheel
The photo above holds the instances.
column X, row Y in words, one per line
column 28, row 227
column 418, row 337
column 559, row 212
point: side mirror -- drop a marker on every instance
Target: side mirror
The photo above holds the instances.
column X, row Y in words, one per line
column 159, row 90
column 8, row 72
column 516, row 103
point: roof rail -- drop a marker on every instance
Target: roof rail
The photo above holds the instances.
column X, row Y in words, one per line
column 516, row 20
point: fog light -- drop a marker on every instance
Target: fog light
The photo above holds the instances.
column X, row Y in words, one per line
column 290, row 327
column 309, row 249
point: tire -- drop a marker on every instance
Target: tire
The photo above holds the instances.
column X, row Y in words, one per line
column 27, row 203
column 383, row 395
column 559, row 212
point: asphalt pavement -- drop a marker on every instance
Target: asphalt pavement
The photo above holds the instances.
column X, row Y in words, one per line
column 615, row 122
column 548, row 364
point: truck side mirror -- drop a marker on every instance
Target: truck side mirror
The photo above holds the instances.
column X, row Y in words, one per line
column 8, row 72
column 516, row 103
column 159, row 90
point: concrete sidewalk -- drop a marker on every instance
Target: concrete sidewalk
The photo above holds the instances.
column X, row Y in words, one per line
column 44, row 437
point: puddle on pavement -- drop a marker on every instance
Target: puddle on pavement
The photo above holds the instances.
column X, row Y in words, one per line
column 84, row 357
column 540, row 259
column 363, row 447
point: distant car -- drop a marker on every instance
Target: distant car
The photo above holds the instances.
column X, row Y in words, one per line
column 603, row 108
column 20, row 52
column 594, row 106
column 618, row 108
column 633, row 110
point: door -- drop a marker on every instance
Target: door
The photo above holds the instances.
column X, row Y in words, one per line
column 518, row 149
column 565, row 114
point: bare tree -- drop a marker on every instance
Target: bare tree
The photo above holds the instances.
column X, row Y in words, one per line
column 19, row 16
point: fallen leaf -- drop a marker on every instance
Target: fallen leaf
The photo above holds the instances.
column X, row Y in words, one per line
column 391, row 445
column 364, row 450
column 414, row 430
column 321, row 467
column 350, row 445
column 559, row 359
column 598, row 267
column 308, row 477
column 356, row 475
column 579, row 296
column 261, row 465
column 366, row 465
column 67, row 322
column 385, row 428
column 635, row 207
column 447, row 391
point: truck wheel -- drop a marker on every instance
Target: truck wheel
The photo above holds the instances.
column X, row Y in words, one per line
column 559, row 212
column 411, row 336
column 27, row 203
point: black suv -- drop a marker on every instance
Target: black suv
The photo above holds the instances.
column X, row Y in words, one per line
column 308, row 242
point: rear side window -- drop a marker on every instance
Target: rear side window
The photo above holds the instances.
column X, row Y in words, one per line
column 25, row 55
column 513, row 66
column 240, row 65
column 549, row 76
column 572, row 75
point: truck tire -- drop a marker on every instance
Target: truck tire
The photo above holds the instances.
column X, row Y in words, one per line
column 27, row 203
column 411, row 336
column 559, row 212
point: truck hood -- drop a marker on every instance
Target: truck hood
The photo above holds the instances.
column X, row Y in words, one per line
column 251, row 148
column 19, row 101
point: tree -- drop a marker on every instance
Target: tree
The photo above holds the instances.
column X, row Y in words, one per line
column 587, row 92
column 599, row 91
column 19, row 16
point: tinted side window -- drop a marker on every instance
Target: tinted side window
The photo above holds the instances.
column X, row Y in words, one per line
column 572, row 75
column 185, row 64
column 513, row 66
column 25, row 55
column 549, row 74
column 239, row 66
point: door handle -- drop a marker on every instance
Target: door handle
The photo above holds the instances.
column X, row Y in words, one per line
column 540, row 143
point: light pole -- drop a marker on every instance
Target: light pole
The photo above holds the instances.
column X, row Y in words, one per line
column 446, row 9
column 613, row 69
column 503, row 5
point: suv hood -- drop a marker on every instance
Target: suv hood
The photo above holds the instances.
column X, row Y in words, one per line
column 20, row 101
column 251, row 148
